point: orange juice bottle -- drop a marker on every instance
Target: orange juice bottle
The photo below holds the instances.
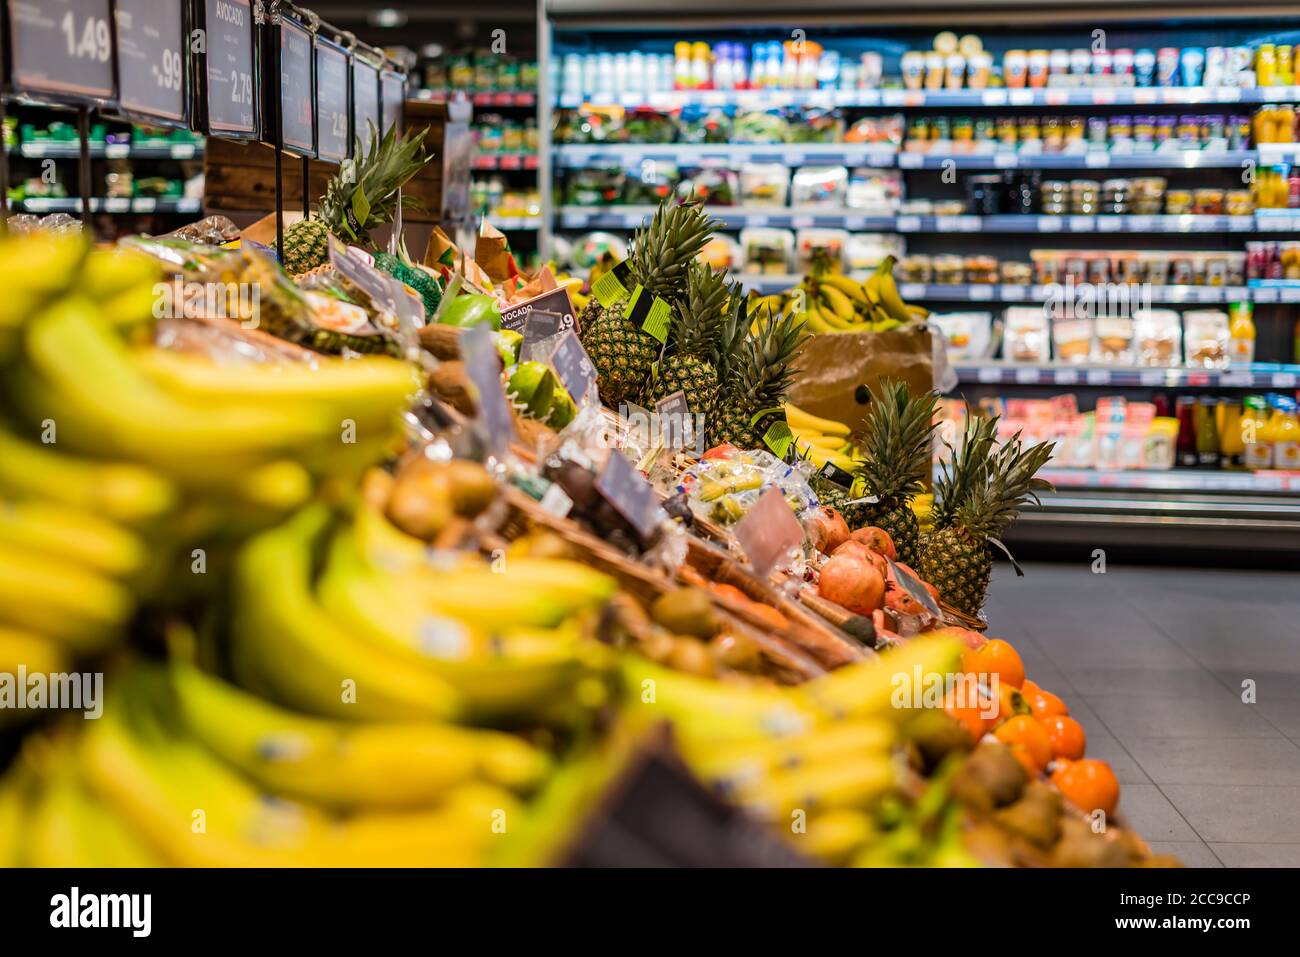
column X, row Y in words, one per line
column 1241, row 334
column 1257, row 453
column 1285, row 436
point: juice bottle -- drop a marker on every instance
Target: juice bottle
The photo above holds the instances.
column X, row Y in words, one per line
column 1207, row 434
column 1256, row 451
column 1286, row 436
column 1231, row 446
column 1241, row 334
column 1185, row 412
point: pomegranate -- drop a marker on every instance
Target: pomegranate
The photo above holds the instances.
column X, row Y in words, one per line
column 852, row 584
column 971, row 639
column 876, row 539
column 839, row 529
column 934, row 592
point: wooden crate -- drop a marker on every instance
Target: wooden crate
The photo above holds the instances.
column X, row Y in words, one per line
column 240, row 178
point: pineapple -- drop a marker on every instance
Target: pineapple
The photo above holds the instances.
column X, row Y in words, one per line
column 980, row 494
column 899, row 446
column 757, row 379
column 402, row 268
column 691, row 368
column 360, row 198
column 661, row 253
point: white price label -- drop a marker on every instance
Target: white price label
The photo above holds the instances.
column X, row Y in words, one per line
column 1049, row 224
column 989, row 374
column 753, row 220
column 911, row 160
column 1097, row 159
column 1066, row 376
column 1151, row 378
column 801, row 222
column 908, row 224
column 994, row 97
column 117, row 151
column 1109, row 224
column 1022, row 97
column 183, row 151
column 980, row 292
column 1005, row 160
column 1014, row 293
column 1265, row 294
column 1027, row 376
column 1284, row 380
column 1082, row 224
column 1098, row 377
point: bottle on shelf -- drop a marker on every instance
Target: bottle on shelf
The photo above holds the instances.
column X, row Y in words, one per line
column 1241, row 333
column 1257, row 453
column 1207, row 434
column 1284, row 433
column 1231, row 446
column 1186, row 445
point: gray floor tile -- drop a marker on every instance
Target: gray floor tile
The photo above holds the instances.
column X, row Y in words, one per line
column 1153, row 682
column 1258, row 855
column 1244, row 650
column 1114, row 649
column 1203, row 716
column 1080, row 711
column 1271, row 684
column 1263, row 761
column 1238, row 813
column 1284, row 714
column 1106, row 748
column 1191, row 853
column 1149, row 813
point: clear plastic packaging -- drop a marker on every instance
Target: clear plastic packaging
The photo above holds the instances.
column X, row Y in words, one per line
column 819, row 186
column 1027, row 335
column 968, row 334
column 809, row 241
column 764, row 184
column 767, row 250
column 1159, row 337
column 724, row 486
column 1205, row 339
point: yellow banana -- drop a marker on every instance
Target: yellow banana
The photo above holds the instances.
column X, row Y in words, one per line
column 36, row 267
column 67, row 602
column 846, row 782
column 109, row 272
column 747, row 760
column 846, row 286
column 833, row 836
column 829, row 443
column 82, row 537
column 285, row 643
column 14, row 813
column 884, row 685
column 344, row 765
column 890, row 300
column 121, row 492
column 840, row 304
column 799, row 419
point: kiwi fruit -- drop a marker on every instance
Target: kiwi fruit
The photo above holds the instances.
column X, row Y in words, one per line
column 1036, row 816
column 686, row 611
column 935, row 736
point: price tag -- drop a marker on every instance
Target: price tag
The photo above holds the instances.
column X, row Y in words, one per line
column 556, row 501
column 1082, row 224
column 542, row 324
column 1098, row 377
column 912, row 290
column 62, row 48
column 994, row 97
column 365, row 101
column 392, row 88
column 1284, row 380
column 1005, row 160
column 117, row 150
column 908, row 224
column 755, row 220
column 855, row 223
column 1049, row 224
column 769, row 532
column 231, row 95
column 1056, row 97
column 649, row 313
column 144, row 204
column 989, row 374
column 554, row 303
column 1021, row 97
column 911, row 160
column 1014, row 293
column 676, row 423
column 572, row 364
column 151, row 65
column 1151, row 377
column 980, row 293
column 297, row 94
column 801, row 222
column 1066, row 376
column 912, row 585
column 483, row 367
column 1109, row 224
column 611, row 288
column 117, row 205
column 1264, row 294
column 333, row 135
column 968, row 224
column 629, row 493
column 1027, row 376
column 1096, row 158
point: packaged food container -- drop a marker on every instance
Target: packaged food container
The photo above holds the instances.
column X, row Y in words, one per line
column 1159, row 337
column 1026, row 338
column 915, row 268
column 1208, row 202
column 1015, row 273
column 948, row 270
column 864, row 251
column 984, row 194
column 1054, row 197
column 1178, row 202
column 819, row 186
column 1115, row 196
column 1085, row 196
column 1238, row 202
column 1072, row 338
column 1205, row 338
column 1113, row 340
column 808, row 242
column 764, row 184
column 1148, row 195
column 968, row 334
column 1047, row 266
column 877, row 192
column 768, row 251
column 981, row 270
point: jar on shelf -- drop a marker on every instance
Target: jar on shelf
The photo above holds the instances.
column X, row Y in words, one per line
column 1015, row 273
column 947, row 270
column 1207, row 201
column 1085, row 197
column 1007, row 129
column 981, row 270
column 1238, row 202
column 1147, row 195
column 1054, row 197
column 1115, row 196
column 1178, row 202
column 1030, row 130
column 916, row 268
column 984, row 194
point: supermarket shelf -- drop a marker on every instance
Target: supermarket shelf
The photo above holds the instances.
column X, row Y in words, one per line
column 737, row 217
column 516, row 223
column 777, row 99
column 1257, row 376
column 1005, row 292
column 633, row 155
column 1175, row 480
column 62, row 150
column 497, row 98
column 505, row 161
column 98, row 204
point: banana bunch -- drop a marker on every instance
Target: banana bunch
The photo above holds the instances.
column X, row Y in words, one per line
column 812, row 761
column 822, row 440
column 833, row 302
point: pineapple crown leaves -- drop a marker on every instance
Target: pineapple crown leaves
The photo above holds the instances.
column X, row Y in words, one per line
column 899, row 440
column 699, row 317
column 733, row 329
column 999, row 485
column 663, row 250
column 769, row 354
column 366, row 187
column 963, row 471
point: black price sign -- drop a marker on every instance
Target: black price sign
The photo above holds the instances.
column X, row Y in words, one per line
column 572, row 364
column 393, row 86
column 297, row 116
column 151, row 66
column 230, row 67
column 62, row 48
column 624, row 488
column 332, row 70
column 365, row 100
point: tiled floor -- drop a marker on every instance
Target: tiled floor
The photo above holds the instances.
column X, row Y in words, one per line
column 1159, row 664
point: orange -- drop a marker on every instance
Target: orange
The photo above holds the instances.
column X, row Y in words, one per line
column 1010, row 702
column 969, row 716
column 1089, row 785
column 998, row 657
column 1021, row 754
column 1024, row 731
column 1044, row 704
column 1029, row 689
column 1066, row 734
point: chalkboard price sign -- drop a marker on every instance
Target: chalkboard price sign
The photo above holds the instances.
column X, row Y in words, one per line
column 297, row 100
column 332, row 71
column 63, row 49
column 151, row 62
column 394, row 92
column 365, row 100
column 231, row 97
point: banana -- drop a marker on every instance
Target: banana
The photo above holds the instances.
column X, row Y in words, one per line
column 285, row 643
column 873, row 687
column 35, row 268
column 14, row 811
column 78, row 536
column 118, row 491
column 820, row 456
column 81, row 377
column 846, row 782
column 833, row 836
column 918, row 312
column 109, row 272
column 66, row 602
column 829, row 443
column 343, row 765
column 846, row 286
column 735, row 763
column 799, row 419
column 841, row 305
column 890, row 300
